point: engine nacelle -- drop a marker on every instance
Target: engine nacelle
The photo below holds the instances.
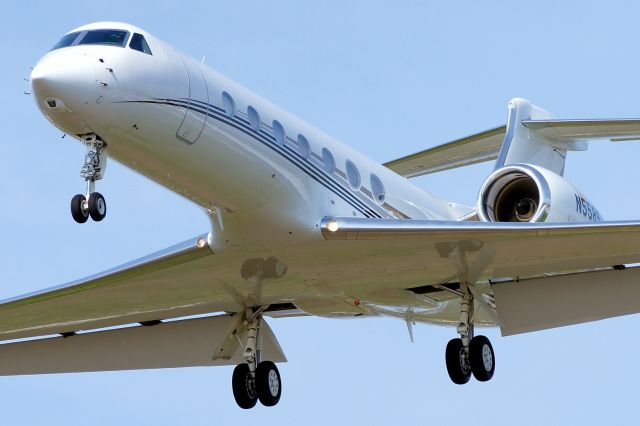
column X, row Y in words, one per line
column 527, row 193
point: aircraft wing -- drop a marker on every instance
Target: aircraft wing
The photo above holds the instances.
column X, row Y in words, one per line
column 541, row 275
column 527, row 264
column 186, row 279
column 508, row 249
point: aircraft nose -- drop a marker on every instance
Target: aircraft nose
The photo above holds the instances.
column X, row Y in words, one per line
column 62, row 76
column 63, row 84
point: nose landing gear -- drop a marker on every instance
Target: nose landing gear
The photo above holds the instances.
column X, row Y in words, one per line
column 93, row 203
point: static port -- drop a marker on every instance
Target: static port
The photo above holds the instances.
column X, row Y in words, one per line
column 52, row 103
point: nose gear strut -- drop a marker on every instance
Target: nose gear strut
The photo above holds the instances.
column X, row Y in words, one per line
column 95, row 162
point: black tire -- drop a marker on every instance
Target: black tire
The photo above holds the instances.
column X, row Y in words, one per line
column 457, row 365
column 268, row 383
column 482, row 358
column 244, row 390
column 78, row 212
column 97, row 206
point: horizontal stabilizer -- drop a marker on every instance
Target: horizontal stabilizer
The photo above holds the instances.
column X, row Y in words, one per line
column 531, row 136
column 473, row 149
column 186, row 343
column 583, row 130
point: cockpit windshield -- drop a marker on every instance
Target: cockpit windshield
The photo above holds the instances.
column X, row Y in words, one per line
column 116, row 38
column 108, row 37
column 66, row 40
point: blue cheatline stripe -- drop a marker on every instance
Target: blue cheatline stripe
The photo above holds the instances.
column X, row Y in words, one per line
column 269, row 141
column 298, row 161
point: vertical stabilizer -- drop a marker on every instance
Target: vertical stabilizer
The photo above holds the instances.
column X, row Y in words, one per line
column 521, row 145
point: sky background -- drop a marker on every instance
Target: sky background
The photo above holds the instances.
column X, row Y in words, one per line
column 388, row 78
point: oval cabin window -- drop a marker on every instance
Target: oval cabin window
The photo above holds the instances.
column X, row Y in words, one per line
column 303, row 146
column 228, row 104
column 254, row 118
column 377, row 188
column 328, row 161
column 353, row 175
column 278, row 132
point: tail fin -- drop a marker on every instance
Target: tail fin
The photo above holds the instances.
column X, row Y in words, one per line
column 522, row 145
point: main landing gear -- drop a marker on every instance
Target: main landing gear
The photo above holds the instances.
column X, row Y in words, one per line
column 254, row 380
column 93, row 203
column 469, row 354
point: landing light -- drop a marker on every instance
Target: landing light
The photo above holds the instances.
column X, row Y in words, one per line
column 332, row 226
column 201, row 243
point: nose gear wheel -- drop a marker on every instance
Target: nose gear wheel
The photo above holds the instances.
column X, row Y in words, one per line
column 79, row 210
column 92, row 204
column 97, row 206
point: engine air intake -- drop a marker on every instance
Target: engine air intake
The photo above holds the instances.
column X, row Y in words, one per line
column 514, row 194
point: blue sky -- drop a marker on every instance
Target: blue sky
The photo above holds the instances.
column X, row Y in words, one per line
column 388, row 78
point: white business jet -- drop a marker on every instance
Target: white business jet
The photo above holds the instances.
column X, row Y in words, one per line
column 303, row 225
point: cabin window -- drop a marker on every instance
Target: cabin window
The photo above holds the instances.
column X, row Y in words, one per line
column 66, row 40
column 254, row 118
column 303, row 146
column 105, row 37
column 228, row 104
column 278, row 132
column 353, row 175
column 140, row 44
column 328, row 161
column 377, row 188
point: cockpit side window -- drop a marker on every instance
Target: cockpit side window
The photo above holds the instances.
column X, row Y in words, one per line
column 140, row 44
column 66, row 40
column 116, row 38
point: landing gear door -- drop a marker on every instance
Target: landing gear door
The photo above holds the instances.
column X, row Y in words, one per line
column 198, row 103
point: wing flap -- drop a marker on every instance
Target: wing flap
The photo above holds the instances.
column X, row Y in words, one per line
column 556, row 301
column 186, row 343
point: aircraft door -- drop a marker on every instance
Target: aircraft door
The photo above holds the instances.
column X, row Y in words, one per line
column 198, row 103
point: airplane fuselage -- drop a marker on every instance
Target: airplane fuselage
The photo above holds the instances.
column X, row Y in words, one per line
column 211, row 140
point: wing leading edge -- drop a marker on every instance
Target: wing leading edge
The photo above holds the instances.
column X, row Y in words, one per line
column 477, row 148
column 71, row 307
